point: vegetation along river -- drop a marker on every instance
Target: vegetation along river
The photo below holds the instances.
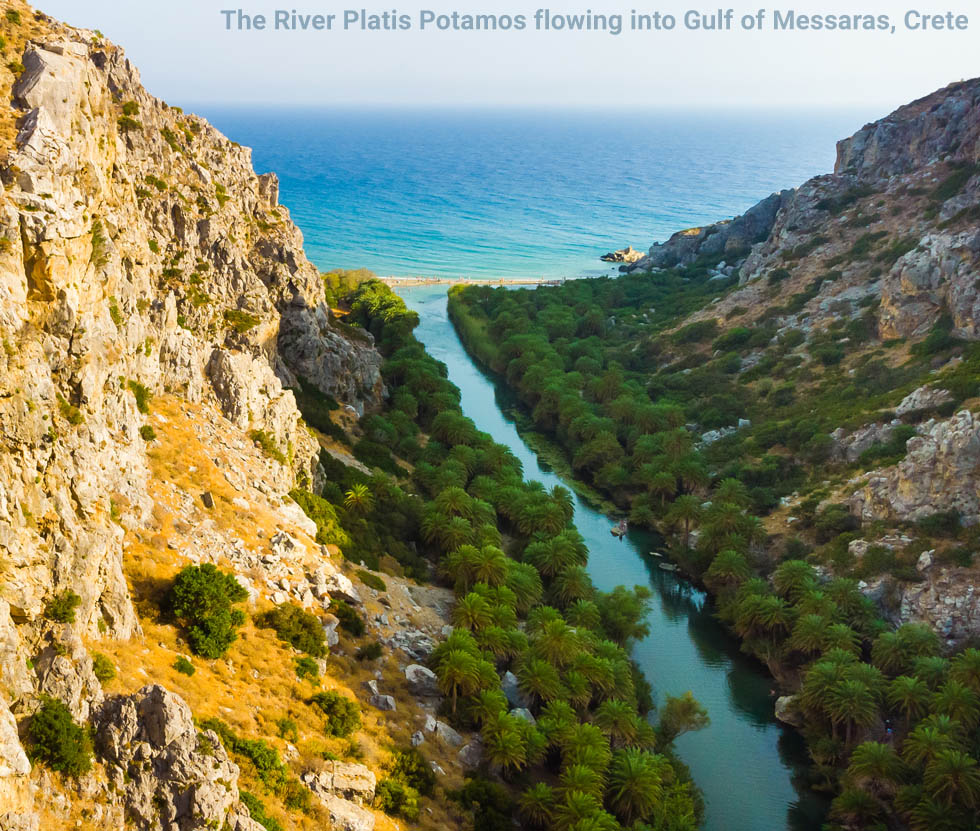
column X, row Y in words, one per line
column 750, row 768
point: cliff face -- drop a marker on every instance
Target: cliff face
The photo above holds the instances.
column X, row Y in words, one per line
column 140, row 255
column 889, row 241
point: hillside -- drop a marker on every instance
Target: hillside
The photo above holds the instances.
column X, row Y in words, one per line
column 791, row 398
column 257, row 569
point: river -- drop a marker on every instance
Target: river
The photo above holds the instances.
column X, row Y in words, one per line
column 748, row 765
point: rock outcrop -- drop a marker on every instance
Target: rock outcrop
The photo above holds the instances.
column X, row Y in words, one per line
column 940, row 472
column 168, row 775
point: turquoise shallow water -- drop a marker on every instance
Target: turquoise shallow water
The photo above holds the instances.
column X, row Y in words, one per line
column 491, row 194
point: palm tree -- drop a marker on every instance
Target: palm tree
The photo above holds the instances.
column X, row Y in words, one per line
column 966, row 669
column 850, row 703
column 661, row 484
column 576, row 807
column 584, row 614
column 953, row 777
column 809, row 634
column 888, row 653
column 585, row 744
column 562, row 498
column 619, row 720
column 732, row 492
column 875, row 766
column 572, row 584
column 472, row 612
column 359, row 500
column 679, row 715
column 636, row 784
column 487, row 705
column 556, row 642
column 727, row 571
column 958, row 702
column 841, row 636
column 457, row 673
column 793, row 578
column 685, row 511
column 578, row 690
column 490, row 565
column 503, row 744
column 855, row 808
column 774, row 616
column 540, row 680
column 551, row 556
column 536, row 804
column 583, row 779
column 815, row 602
column 933, row 670
column 909, row 695
column 924, row 743
column 523, row 579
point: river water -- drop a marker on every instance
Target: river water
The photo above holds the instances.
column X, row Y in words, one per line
column 747, row 764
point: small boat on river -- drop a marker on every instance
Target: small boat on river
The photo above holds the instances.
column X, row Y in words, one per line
column 619, row 530
column 668, row 567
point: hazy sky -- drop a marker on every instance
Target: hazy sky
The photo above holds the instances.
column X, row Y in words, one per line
column 186, row 56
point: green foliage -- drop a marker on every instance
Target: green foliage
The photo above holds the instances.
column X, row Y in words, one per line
column 343, row 714
column 184, row 666
column 103, row 668
column 61, row 608
column 339, row 284
column 371, row 580
column 142, row 394
column 201, row 599
column 409, row 779
column 370, row 652
column 69, row 411
column 350, row 620
column 329, row 530
column 57, row 741
column 307, row 668
column 128, row 125
column 241, row 321
column 258, row 812
column 147, row 433
column 298, row 628
column 268, row 446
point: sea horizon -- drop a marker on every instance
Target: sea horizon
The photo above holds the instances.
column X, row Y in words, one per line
column 515, row 193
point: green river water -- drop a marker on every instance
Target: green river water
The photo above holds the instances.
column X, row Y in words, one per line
column 750, row 768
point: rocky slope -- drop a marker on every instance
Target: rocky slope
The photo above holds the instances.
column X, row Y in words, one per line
column 891, row 238
column 142, row 259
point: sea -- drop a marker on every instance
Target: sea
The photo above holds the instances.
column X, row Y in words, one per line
column 521, row 194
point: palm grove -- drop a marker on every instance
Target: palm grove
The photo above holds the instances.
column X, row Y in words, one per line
column 607, row 373
column 578, row 723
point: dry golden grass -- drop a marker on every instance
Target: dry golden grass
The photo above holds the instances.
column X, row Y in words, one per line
column 255, row 685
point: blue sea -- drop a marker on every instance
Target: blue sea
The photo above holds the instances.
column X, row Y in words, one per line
column 520, row 194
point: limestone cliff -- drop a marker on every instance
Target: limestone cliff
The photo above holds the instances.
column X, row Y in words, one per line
column 140, row 256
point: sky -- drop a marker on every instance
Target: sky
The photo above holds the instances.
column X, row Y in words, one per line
column 186, row 56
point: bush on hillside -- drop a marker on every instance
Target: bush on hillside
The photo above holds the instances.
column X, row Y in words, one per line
column 201, row 599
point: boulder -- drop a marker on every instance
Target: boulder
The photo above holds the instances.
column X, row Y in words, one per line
column 338, row 585
column 330, row 624
column 510, row 688
column 346, row 816
column 786, row 711
column 627, row 255
column 347, row 780
column 471, row 755
column 924, row 398
column 422, row 681
column 447, row 734
column 383, row 702
column 13, row 759
column 523, row 714
column 418, row 737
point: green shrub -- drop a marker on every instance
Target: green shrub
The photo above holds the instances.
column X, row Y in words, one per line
column 307, row 668
column 127, row 124
column 240, row 321
column 142, row 394
column 131, row 108
column 350, row 620
column 833, row 521
column 412, row 769
column 268, row 445
column 103, row 668
column 184, row 666
column 57, row 741
column 201, row 599
column 69, row 412
column 397, row 799
column 258, row 812
column 288, row 729
column 61, row 608
column 697, row 332
column 371, row 580
column 343, row 714
column 328, row 528
column 370, row 652
column 942, row 524
column 147, row 433
column 297, row 627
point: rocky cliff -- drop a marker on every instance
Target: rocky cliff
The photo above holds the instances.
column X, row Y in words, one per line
column 141, row 258
column 887, row 247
